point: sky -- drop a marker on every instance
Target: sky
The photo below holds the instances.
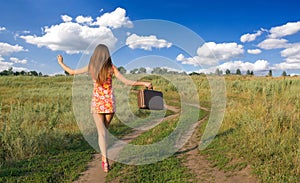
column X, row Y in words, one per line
column 188, row 35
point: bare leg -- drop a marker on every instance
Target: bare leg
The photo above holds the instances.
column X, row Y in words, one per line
column 102, row 133
column 107, row 120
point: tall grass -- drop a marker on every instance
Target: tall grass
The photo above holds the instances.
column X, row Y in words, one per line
column 37, row 124
column 32, row 118
column 262, row 127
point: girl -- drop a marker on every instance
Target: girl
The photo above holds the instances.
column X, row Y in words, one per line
column 101, row 70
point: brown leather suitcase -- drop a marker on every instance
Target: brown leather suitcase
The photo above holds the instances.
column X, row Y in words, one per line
column 150, row 99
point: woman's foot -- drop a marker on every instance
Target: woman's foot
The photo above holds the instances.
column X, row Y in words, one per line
column 105, row 166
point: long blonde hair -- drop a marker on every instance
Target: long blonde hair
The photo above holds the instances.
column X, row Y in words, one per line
column 100, row 66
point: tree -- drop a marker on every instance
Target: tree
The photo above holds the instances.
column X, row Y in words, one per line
column 134, row 71
column 248, row 72
column 142, row 70
column 40, row 74
column 218, row 72
column 194, row 74
column 227, row 71
column 4, row 73
column 251, row 73
column 270, row 73
column 10, row 71
column 284, row 73
column 158, row 70
column 33, row 73
column 23, row 73
column 238, row 72
column 122, row 70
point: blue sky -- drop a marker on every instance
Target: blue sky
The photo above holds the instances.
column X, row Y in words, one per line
column 254, row 35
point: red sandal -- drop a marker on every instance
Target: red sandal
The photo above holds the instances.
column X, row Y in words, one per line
column 105, row 166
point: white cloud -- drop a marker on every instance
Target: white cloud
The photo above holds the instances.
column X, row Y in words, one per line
column 250, row 37
column 1, row 58
column 66, row 18
column 146, row 42
column 211, row 53
column 287, row 66
column 285, row 30
column 5, row 65
column 196, row 60
column 115, row 19
column 6, row 49
column 254, row 51
column 82, row 20
column 71, row 37
column 18, row 61
column 76, row 37
column 2, row 29
column 259, row 65
column 222, row 51
column 292, row 58
column 273, row 43
column 292, row 54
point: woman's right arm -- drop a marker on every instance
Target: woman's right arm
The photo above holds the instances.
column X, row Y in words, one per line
column 130, row 82
column 68, row 69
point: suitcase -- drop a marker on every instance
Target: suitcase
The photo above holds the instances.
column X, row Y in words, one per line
column 150, row 99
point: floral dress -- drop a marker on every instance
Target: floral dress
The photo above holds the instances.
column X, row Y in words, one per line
column 103, row 98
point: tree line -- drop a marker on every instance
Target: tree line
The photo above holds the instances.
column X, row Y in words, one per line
column 141, row 70
column 248, row 72
column 156, row 70
column 10, row 72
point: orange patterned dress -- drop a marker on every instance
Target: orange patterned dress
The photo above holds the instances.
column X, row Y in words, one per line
column 103, row 97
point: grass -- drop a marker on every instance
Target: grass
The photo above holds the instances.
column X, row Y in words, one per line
column 260, row 128
column 39, row 138
column 41, row 142
column 61, row 165
column 169, row 169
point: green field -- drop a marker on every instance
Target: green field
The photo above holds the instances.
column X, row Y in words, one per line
column 41, row 142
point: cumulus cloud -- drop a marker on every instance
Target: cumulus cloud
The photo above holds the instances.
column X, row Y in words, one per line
column 222, row 51
column 115, row 19
column 273, row 43
column 66, row 18
column 6, row 49
column 1, row 58
column 259, row 65
column 2, row 29
column 146, row 42
column 285, row 30
column 84, row 20
column 76, row 37
column 287, row 66
column 254, row 51
column 250, row 37
column 211, row 53
column 18, row 61
column 5, row 65
column 292, row 54
column 71, row 37
column 292, row 58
